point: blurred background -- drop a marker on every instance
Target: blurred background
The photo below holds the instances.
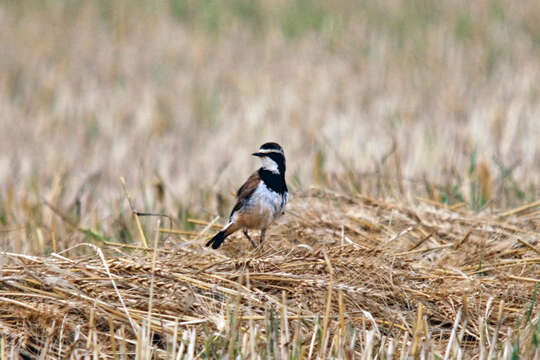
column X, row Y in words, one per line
column 399, row 99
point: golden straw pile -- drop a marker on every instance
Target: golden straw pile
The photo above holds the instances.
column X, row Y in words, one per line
column 339, row 276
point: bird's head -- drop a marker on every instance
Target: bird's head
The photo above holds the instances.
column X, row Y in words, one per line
column 272, row 157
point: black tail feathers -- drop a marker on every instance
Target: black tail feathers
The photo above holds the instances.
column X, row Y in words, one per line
column 217, row 240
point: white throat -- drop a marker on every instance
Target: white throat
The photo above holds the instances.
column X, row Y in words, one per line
column 269, row 164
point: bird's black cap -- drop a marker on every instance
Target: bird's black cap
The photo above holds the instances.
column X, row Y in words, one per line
column 271, row 146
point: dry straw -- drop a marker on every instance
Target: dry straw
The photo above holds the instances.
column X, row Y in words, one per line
column 340, row 277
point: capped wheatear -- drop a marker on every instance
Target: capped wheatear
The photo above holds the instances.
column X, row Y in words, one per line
column 261, row 199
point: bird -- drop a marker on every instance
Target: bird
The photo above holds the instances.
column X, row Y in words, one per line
column 261, row 199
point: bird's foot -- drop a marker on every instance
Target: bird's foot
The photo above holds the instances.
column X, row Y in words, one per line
column 250, row 240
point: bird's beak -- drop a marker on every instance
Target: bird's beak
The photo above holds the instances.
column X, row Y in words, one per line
column 258, row 154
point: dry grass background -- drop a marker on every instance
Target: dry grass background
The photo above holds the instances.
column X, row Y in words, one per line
column 408, row 107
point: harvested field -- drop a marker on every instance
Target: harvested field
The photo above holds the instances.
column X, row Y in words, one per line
column 367, row 277
column 411, row 131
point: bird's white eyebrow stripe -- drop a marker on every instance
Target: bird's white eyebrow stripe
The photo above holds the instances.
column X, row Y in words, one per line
column 266, row 151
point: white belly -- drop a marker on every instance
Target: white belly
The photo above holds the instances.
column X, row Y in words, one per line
column 262, row 208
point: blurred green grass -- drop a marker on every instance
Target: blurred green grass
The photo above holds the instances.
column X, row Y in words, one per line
column 405, row 20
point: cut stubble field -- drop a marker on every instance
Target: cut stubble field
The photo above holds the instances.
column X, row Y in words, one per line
column 339, row 277
column 412, row 140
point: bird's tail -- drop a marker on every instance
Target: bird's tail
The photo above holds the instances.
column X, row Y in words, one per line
column 217, row 240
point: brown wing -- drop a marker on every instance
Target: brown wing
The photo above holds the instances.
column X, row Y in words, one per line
column 246, row 190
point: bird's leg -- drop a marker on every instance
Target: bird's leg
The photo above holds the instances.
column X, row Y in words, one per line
column 263, row 235
column 251, row 241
